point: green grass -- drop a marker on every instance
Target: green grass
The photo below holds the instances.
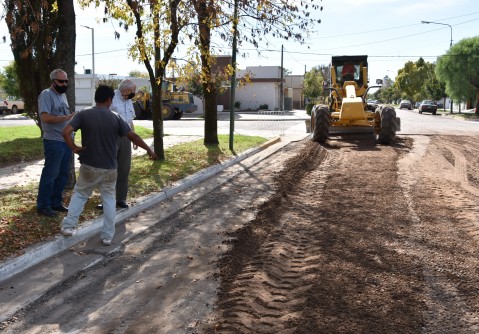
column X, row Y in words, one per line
column 20, row 226
column 465, row 116
column 19, row 144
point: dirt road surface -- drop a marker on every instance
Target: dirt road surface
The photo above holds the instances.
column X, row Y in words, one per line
column 347, row 237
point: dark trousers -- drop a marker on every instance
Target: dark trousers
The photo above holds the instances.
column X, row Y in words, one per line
column 124, row 164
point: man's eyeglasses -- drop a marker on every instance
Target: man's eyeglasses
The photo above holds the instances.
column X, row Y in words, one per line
column 62, row 81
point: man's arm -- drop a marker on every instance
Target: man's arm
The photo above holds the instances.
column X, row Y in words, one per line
column 47, row 118
column 138, row 141
column 67, row 135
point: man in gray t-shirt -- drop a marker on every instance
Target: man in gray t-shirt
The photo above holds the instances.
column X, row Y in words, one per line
column 54, row 114
column 100, row 129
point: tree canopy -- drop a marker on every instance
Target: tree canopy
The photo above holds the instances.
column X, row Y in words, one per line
column 388, row 92
column 313, row 82
column 459, row 69
column 42, row 35
column 416, row 81
column 9, row 80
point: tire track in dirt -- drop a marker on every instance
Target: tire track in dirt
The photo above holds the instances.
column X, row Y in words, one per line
column 270, row 289
column 339, row 244
column 460, row 171
column 438, row 240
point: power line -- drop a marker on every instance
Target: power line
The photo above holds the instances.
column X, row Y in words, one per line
column 397, row 27
column 101, row 52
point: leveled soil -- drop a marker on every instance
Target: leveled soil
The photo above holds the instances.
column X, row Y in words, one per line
column 348, row 237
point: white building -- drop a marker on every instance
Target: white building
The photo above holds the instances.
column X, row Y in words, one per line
column 264, row 88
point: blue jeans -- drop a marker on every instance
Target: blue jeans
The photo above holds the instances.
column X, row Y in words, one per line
column 89, row 178
column 54, row 174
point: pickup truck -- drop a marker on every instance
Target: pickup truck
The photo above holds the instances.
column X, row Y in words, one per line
column 11, row 104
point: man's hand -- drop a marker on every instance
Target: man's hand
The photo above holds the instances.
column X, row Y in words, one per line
column 77, row 149
column 69, row 117
column 152, row 154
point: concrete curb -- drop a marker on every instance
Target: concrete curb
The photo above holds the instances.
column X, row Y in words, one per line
column 39, row 253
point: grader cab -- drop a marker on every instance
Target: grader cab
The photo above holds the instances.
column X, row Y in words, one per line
column 347, row 111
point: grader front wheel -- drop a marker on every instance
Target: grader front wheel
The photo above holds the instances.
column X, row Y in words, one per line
column 386, row 117
column 321, row 123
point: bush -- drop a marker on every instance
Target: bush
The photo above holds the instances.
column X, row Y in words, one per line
column 263, row 107
column 309, row 107
column 237, row 104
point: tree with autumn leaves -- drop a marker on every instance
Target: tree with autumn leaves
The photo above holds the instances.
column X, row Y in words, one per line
column 42, row 35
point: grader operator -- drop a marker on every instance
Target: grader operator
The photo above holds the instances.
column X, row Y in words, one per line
column 348, row 111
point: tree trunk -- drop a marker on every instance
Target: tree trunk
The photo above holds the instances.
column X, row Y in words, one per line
column 42, row 39
column 65, row 59
column 156, row 106
column 211, row 119
column 209, row 85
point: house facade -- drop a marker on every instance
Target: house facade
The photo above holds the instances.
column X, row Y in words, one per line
column 293, row 96
column 263, row 89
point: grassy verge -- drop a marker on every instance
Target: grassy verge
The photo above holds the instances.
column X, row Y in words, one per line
column 20, row 226
column 470, row 116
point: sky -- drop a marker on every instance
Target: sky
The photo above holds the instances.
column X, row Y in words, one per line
column 389, row 32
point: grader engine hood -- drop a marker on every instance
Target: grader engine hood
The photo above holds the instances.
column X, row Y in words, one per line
column 352, row 107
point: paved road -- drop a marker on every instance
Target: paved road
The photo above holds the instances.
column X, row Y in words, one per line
column 413, row 123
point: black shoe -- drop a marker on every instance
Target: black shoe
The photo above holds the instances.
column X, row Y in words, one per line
column 60, row 208
column 46, row 212
column 121, row 204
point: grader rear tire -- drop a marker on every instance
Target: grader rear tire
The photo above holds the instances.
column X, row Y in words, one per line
column 387, row 132
column 168, row 112
column 322, row 122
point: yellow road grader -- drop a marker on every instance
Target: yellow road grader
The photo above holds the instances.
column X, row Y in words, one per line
column 347, row 111
column 175, row 103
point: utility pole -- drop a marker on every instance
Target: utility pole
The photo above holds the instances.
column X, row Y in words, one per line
column 233, row 77
column 92, row 63
column 281, row 93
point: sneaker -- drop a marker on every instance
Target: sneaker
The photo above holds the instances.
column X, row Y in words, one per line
column 67, row 231
column 106, row 242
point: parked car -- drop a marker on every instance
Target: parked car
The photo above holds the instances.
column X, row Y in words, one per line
column 405, row 104
column 13, row 104
column 428, row 106
column 3, row 107
column 416, row 105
